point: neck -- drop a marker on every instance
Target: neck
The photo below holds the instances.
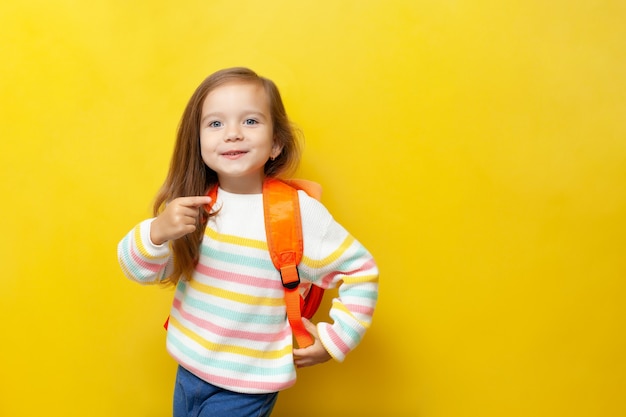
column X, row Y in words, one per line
column 242, row 185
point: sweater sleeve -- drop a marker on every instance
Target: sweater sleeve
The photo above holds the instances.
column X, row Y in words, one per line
column 140, row 259
column 333, row 257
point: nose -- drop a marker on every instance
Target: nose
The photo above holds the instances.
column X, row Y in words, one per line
column 233, row 133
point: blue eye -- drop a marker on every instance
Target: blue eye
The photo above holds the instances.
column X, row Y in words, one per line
column 215, row 123
column 250, row 122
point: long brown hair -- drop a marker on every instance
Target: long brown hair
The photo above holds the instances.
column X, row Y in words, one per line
column 188, row 174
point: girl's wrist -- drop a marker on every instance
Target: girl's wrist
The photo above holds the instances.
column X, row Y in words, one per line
column 155, row 238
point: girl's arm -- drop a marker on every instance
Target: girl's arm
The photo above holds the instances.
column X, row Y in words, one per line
column 352, row 310
column 144, row 254
column 335, row 258
column 141, row 260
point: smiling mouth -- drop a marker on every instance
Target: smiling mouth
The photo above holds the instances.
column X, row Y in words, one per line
column 233, row 153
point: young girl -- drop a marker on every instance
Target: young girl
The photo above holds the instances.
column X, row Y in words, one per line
column 228, row 329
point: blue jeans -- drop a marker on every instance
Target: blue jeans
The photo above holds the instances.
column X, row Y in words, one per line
column 194, row 397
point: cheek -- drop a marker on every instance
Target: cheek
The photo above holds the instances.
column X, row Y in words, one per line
column 205, row 149
column 206, row 142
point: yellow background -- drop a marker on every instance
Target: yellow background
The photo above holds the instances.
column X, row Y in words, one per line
column 477, row 148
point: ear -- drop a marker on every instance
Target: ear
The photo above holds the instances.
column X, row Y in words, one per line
column 276, row 150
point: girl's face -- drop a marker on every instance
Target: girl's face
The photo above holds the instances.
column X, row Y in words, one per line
column 236, row 135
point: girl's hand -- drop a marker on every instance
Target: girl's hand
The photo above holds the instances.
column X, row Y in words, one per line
column 312, row 355
column 179, row 218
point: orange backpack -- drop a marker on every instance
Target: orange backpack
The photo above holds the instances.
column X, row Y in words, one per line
column 283, row 228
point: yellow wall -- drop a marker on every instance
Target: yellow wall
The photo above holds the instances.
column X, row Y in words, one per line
column 478, row 148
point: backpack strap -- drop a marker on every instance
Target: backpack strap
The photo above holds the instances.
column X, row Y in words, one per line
column 312, row 295
column 283, row 227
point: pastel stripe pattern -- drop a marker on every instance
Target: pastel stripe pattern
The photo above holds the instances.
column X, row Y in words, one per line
column 228, row 321
column 141, row 260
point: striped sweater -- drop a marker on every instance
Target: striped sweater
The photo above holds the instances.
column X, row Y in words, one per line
column 228, row 321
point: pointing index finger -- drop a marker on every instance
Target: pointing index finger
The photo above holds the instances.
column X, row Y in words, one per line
column 196, row 201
